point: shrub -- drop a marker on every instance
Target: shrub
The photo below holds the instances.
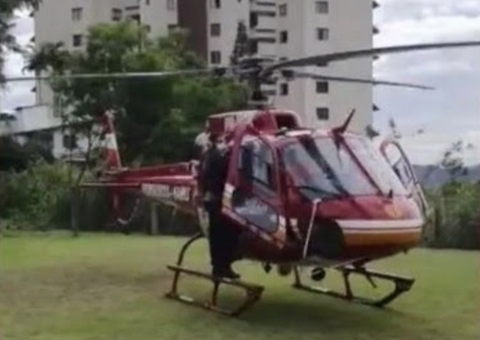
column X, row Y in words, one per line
column 457, row 216
column 32, row 196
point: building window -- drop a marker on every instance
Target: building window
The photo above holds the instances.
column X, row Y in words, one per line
column 252, row 46
column 215, row 30
column 215, row 57
column 147, row 2
column 282, row 10
column 322, row 33
column 171, row 5
column 284, row 89
column 116, row 14
column 69, row 141
column 135, row 17
column 148, row 28
column 215, row 4
column 77, row 13
column 283, row 37
column 323, row 113
column 171, row 27
column 322, row 86
column 77, row 40
column 253, row 20
column 321, row 6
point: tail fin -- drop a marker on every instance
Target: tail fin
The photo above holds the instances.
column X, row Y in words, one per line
column 111, row 161
column 110, row 153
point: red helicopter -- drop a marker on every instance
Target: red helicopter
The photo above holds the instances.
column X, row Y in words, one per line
column 303, row 197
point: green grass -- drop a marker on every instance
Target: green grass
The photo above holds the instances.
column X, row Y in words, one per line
column 111, row 287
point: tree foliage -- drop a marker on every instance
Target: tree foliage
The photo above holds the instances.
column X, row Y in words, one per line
column 156, row 118
column 452, row 161
column 32, row 196
column 456, row 204
column 16, row 157
column 457, row 214
column 242, row 46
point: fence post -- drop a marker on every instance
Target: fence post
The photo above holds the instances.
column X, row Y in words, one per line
column 153, row 219
column 74, row 211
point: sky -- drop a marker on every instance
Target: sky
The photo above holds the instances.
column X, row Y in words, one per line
column 448, row 114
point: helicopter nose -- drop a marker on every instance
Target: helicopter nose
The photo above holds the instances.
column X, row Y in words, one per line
column 382, row 233
column 334, row 240
column 370, row 226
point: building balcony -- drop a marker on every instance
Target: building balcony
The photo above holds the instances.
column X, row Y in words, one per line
column 267, row 35
column 263, row 8
column 34, row 118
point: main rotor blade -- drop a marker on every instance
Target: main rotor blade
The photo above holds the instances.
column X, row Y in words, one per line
column 118, row 75
column 359, row 80
column 325, row 58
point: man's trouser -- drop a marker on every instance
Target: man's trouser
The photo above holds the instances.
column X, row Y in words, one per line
column 222, row 238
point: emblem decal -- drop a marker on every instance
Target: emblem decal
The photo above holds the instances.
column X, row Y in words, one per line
column 393, row 211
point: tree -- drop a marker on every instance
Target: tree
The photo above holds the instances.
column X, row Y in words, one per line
column 242, row 45
column 452, row 161
column 50, row 57
column 156, row 118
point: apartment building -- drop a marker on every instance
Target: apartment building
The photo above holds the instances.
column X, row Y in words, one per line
column 278, row 28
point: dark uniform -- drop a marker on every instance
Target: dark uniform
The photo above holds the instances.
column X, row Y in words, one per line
column 222, row 237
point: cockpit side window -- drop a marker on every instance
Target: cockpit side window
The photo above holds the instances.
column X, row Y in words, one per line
column 377, row 166
column 398, row 164
column 256, row 163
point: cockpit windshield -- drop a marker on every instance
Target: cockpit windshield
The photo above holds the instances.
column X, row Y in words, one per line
column 322, row 168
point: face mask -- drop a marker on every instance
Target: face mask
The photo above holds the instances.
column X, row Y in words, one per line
column 222, row 146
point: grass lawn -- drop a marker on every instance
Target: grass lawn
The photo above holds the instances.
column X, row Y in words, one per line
column 111, row 287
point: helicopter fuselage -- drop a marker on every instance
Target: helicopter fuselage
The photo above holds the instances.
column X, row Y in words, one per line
column 317, row 200
column 297, row 195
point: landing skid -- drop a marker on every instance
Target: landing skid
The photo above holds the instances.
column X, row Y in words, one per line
column 402, row 285
column 253, row 292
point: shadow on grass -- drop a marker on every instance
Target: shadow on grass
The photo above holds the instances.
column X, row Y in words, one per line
column 294, row 313
column 320, row 316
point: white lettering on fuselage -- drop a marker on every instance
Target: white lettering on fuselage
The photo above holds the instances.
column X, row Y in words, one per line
column 166, row 192
column 181, row 193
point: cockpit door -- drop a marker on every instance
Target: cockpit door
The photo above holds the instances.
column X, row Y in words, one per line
column 400, row 164
column 252, row 193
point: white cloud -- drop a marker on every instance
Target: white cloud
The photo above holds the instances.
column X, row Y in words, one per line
column 18, row 94
column 429, row 147
column 401, row 10
column 452, row 111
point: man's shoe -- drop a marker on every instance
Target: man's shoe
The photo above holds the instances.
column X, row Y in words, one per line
column 231, row 274
column 225, row 273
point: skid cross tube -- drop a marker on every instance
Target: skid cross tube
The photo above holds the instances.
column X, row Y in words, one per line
column 402, row 285
column 253, row 292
